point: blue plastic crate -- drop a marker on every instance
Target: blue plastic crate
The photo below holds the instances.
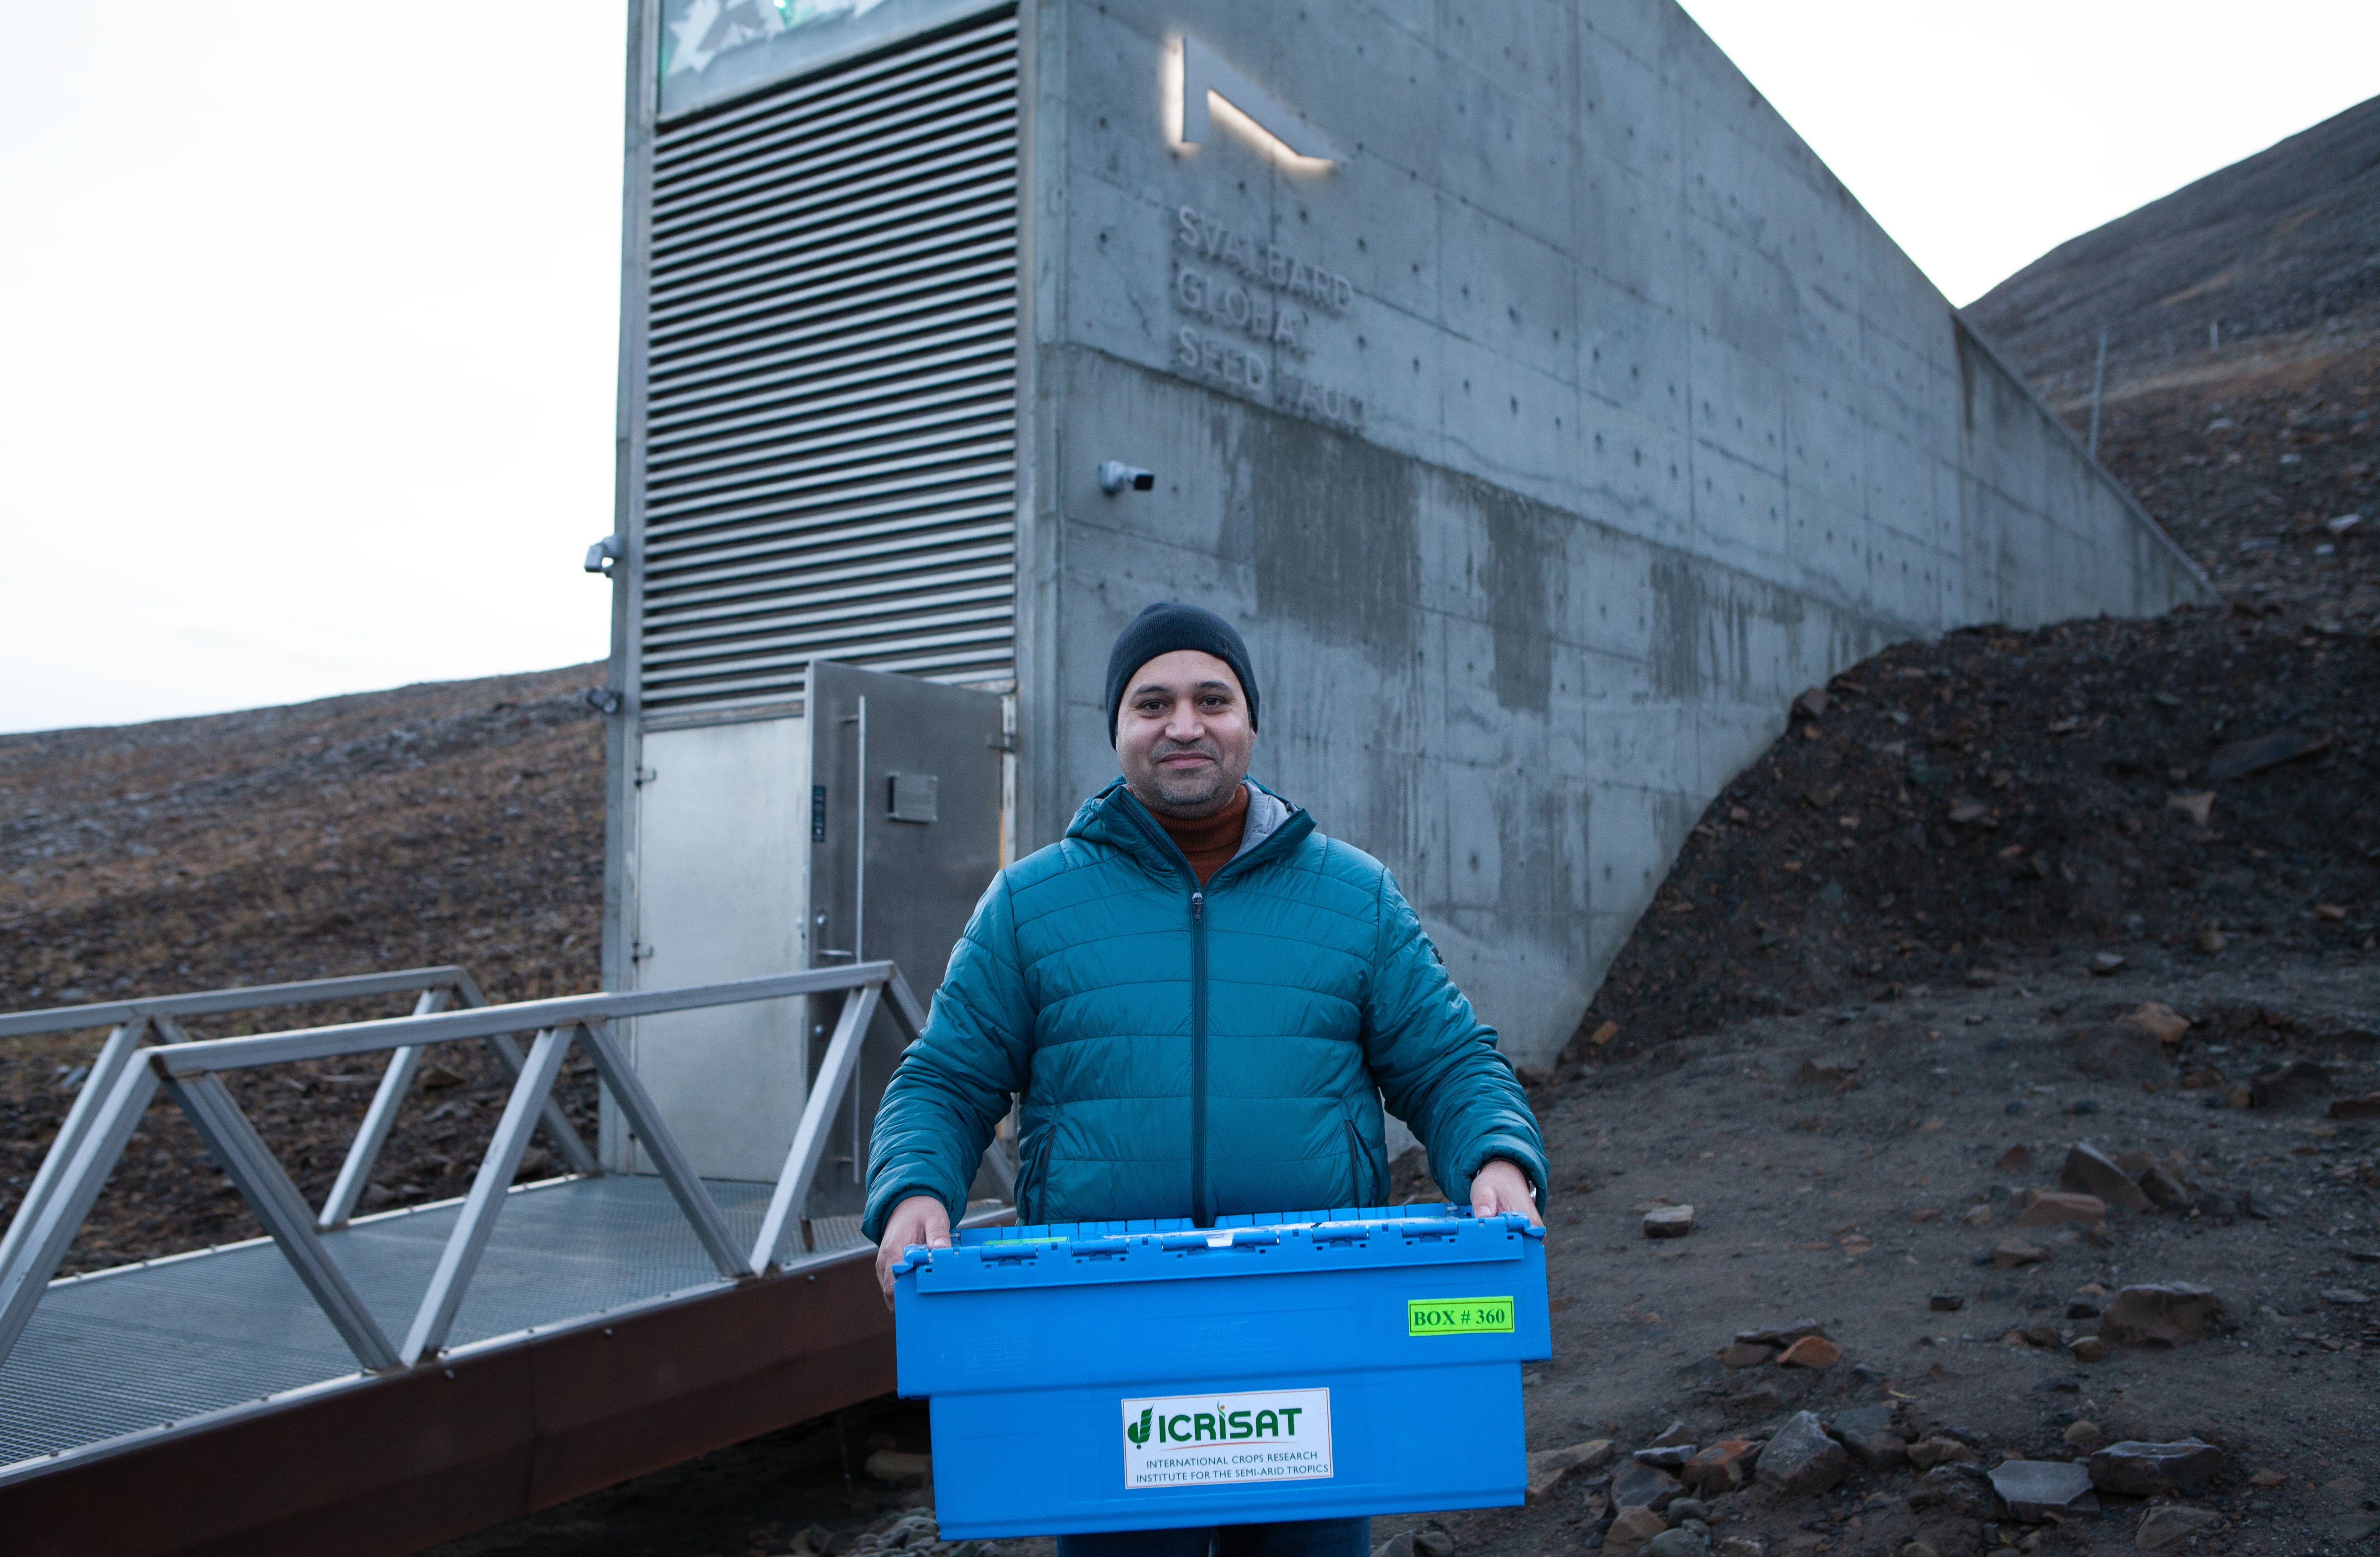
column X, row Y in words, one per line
column 1140, row 1375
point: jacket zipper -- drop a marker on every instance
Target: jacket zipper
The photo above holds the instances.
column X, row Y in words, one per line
column 1201, row 1213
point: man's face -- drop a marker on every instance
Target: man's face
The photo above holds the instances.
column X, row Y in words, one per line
column 1182, row 735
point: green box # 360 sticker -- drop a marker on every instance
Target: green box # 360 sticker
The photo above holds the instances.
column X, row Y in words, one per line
column 1458, row 1316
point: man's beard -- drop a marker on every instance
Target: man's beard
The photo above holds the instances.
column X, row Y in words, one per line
column 1195, row 790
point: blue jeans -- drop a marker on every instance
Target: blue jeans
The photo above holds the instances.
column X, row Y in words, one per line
column 1298, row 1537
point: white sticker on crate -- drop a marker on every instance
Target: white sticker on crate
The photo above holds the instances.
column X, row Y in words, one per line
column 1200, row 1440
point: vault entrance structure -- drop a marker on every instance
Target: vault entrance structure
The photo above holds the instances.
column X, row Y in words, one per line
column 1544, row 412
column 1542, row 409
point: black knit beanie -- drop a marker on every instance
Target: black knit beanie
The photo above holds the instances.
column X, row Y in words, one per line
column 1163, row 628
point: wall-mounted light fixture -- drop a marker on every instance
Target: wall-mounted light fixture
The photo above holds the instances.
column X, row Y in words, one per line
column 1115, row 475
column 602, row 554
column 1198, row 80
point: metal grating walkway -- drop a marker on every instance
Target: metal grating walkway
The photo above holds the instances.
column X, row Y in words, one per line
column 135, row 1348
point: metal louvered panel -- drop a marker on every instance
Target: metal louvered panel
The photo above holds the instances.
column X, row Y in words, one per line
column 831, row 400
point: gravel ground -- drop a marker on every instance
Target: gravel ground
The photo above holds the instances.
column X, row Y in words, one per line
column 1833, row 1160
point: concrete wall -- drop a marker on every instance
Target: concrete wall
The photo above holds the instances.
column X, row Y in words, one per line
column 1627, row 425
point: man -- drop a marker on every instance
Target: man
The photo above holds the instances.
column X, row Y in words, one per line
column 1202, row 1001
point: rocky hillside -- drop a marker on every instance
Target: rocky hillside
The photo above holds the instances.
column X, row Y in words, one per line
column 459, row 822
column 2283, row 245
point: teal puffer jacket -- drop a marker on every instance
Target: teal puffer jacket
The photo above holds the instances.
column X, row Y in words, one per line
column 1194, row 1052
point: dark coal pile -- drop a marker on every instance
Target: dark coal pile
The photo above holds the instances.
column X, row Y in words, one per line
column 2198, row 786
column 2201, row 785
column 452, row 823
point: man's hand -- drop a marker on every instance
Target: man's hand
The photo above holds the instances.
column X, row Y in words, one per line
column 1498, row 1188
column 921, row 1219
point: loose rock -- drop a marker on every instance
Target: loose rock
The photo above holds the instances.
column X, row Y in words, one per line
column 1802, row 1460
column 1743, row 1354
column 2039, row 1489
column 1634, row 1528
column 1675, row 1434
column 1670, row 1222
column 2161, row 1021
column 1722, row 1468
column 1784, row 1336
column 2165, row 1314
column 1549, row 1467
column 1928, row 1452
column 2162, row 1186
column 1871, row 1434
column 2280, row 1086
column 2013, row 1253
column 1675, row 1543
column 2168, row 1524
column 1643, row 1485
column 1961, row 1487
column 1945, row 1302
column 2087, row 1171
column 1669, row 1457
column 1810, row 1351
column 2050, row 1208
column 2082, row 1435
column 2365, row 1108
column 2111, row 1052
column 891, row 1465
column 2139, row 1470
column 2242, row 757
column 2088, row 1348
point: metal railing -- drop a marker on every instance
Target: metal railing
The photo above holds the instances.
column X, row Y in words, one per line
column 135, row 1021
column 191, row 1071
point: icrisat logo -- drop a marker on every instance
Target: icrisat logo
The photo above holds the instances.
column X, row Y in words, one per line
column 1222, row 1425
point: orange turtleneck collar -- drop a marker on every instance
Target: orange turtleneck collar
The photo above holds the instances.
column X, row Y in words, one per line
column 1210, row 843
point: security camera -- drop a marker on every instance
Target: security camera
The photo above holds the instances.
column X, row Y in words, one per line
column 1115, row 475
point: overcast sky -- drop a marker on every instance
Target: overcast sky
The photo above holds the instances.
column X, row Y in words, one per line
column 310, row 309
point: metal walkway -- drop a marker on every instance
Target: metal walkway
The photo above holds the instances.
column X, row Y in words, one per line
column 373, row 1385
column 142, row 1348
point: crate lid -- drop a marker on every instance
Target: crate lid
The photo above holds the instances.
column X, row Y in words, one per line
column 1165, row 1249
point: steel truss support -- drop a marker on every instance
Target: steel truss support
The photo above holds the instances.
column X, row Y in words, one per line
column 669, row 1158
column 460, row 1259
column 114, row 1055
column 266, row 1186
column 818, row 1115
column 396, row 1081
column 51, row 1226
